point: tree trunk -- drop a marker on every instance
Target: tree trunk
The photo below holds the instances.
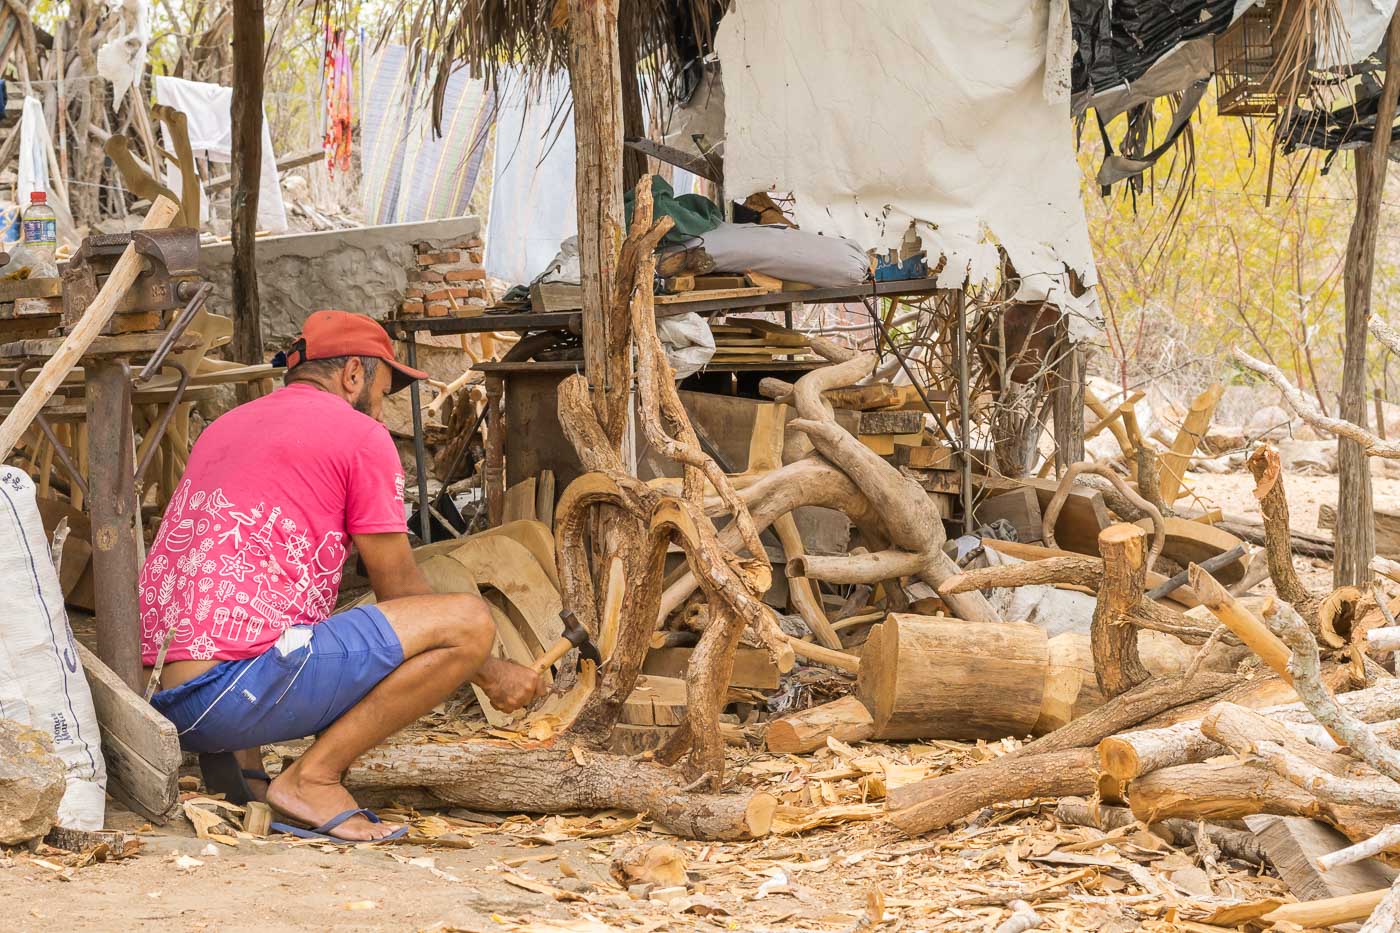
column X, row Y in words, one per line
column 1234, row 843
column 500, row 776
column 1068, row 414
column 1356, row 532
column 248, row 30
column 634, row 163
column 595, row 78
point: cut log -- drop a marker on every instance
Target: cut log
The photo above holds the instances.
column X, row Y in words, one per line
column 923, row 676
column 950, row 797
column 499, row 776
column 1245, row 624
column 1116, row 660
column 845, row 719
column 1267, row 470
column 1228, row 790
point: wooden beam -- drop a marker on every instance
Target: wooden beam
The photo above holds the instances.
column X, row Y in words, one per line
column 694, row 164
column 1193, row 427
column 283, row 165
column 595, row 77
column 248, row 42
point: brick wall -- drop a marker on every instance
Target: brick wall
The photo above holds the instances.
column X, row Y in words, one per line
column 449, row 280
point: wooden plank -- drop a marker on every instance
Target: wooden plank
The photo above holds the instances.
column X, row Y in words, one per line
column 520, row 502
column 712, row 294
column 719, row 283
column 881, row 422
column 141, row 747
column 544, row 499
column 1190, row 541
column 1294, row 842
column 555, row 296
column 752, row 666
column 1082, row 517
column 1387, row 528
column 14, row 289
column 1173, row 463
column 948, row 482
column 1020, row 507
column 882, row 444
column 924, row 457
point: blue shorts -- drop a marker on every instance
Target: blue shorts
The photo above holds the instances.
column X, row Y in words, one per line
column 304, row 682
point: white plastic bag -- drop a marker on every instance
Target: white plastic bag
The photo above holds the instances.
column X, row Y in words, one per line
column 687, row 342
column 41, row 680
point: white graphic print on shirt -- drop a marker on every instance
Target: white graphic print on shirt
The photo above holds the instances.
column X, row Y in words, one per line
column 265, row 574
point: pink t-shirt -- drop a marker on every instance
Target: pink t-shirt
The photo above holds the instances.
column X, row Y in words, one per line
column 254, row 539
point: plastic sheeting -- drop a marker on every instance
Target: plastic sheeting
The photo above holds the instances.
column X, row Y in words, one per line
column 878, row 118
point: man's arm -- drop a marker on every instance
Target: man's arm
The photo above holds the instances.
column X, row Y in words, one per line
column 389, row 562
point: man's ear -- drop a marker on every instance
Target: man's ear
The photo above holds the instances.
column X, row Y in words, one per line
column 353, row 374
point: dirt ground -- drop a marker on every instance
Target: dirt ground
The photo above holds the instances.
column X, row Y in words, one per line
column 530, row 875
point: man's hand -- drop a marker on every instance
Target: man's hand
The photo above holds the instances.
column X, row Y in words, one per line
column 509, row 686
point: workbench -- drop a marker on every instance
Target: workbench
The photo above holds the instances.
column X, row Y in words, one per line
column 531, row 380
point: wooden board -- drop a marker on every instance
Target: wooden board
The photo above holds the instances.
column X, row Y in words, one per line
column 1020, row 507
column 1293, row 842
column 555, row 296
column 710, row 294
column 520, row 502
column 924, row 457
column 1387, row 528
column 752, row 666
column 947, row 482
column 141, row 747
column 15, row 289
column 1082, row 517
column 1173, row 463
column 544, row 498
column 509, row 567
column 1195, row 542
column 881, row 422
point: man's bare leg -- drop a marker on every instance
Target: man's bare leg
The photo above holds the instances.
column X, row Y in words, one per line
column 250, row 759
column 446, row 639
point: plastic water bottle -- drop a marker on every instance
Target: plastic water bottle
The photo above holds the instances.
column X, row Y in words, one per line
column 41, row 229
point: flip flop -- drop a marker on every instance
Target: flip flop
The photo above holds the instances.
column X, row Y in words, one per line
column 254, row 774
column 323, row 832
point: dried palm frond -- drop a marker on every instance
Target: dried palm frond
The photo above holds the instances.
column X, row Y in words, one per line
column 492, row 36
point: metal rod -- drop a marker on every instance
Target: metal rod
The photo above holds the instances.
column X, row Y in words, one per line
column 420, row 455
column 964, row 416
column 177, row 327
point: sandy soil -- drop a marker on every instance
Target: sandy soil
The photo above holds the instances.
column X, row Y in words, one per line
column 957, row 881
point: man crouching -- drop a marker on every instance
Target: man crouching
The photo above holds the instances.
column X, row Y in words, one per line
column 246, row 570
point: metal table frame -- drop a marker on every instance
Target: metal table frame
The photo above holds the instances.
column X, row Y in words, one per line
column 572, row 322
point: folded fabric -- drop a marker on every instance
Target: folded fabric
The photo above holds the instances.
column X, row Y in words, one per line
column 693, row 214
column 785, row 253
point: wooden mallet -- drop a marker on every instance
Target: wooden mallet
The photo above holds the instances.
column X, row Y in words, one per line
column 575, row 636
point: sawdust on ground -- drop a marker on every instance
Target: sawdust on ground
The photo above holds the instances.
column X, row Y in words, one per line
column 832, row 872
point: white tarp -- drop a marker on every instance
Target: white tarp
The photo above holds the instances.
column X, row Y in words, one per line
column 887, row 112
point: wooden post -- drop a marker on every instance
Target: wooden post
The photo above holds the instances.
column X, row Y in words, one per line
column 1356, row 530
column 634, row 163
column 595, row 78
column 1068, row 413
column 1116, row 660
column 248, row 39
column 112, row 504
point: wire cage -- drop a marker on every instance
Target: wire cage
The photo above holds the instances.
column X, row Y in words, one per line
column 1246, row 56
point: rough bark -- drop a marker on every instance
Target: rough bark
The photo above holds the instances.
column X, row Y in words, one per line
column 595, row 77
column 1116, row 661
column 1355, row 515
column 1020, row 777
column 1273, row 505
column 1233, row 843
column 248, row 39
column 499, row 776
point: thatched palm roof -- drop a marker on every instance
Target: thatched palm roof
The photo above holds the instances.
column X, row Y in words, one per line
column 488, row 35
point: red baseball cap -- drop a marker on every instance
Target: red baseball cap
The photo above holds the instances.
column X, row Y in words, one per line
column 329, row 334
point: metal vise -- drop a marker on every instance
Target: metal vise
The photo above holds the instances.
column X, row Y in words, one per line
column 169, row 278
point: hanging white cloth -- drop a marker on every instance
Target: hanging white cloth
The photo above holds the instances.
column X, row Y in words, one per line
column 33, row 150
column 884, row 115
column 122, row 57
column 208, row 110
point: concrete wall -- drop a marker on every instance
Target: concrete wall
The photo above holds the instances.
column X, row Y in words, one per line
column 364, row 269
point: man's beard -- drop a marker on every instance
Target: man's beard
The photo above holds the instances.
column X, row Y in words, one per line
column 361, row 403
